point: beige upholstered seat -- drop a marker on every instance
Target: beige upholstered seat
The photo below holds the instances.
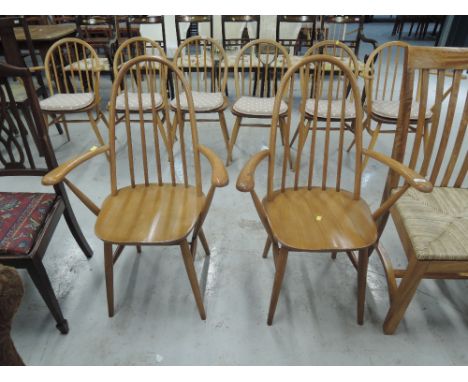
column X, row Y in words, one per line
column 335, row 109
column 202, row 101
column 67, row 102
column 244, row 61
column 102, row 64
column 257, row 106
column 195, row 60
column 389, row 109
column 436, row 223
column 134, row 103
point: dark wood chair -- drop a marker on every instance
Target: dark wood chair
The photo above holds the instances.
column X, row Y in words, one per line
column 28, row 220
column 194, row 28
column 134, row 23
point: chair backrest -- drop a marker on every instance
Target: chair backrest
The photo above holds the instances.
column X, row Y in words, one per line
column 296, row 33
column 63, row 19
column 151, row 132
column 313, row 166
column 347, row 29
column 441, row 155
column 134, row 47
column 238, row 30
column 259, row 67
column 72, row 66
column 184, row 24
column 153, row 21
column 202, row 60
column 93, row 27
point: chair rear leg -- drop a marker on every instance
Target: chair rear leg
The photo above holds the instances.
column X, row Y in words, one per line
column 224, row 130
column 109, row 272
column 204, row 242
column 372, row 143
column 40, row 278
column 362, row 283
column 279, row 275
column 266, row 249
column 232, row 142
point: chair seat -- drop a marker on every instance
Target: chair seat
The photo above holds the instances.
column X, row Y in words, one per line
column 202, row 101
column 244, row 61
column 335, row 108
column 390, row 109
column 102, row 64
column 436, row 223
column 67, row 102
column 258, row 106
column 22, row 215
column 149, row 214
column 134, row 103
column 196, row 61
column 320, row 220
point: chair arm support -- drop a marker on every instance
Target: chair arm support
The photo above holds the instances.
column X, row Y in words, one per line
column 219, row 176
column 33, row 69
column 59, row 173
column 246, row 181
column 412, row 177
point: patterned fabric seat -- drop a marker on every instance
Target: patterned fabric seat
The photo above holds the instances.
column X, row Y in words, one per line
column 257, row 106
column 335, row 109
column 244, row 62
column 389, row 109
column 436, row 223
column 22, row 215
column 133, row 101
column 194, row 61
column 201, row 101
column 102, row 65
column 67, row 102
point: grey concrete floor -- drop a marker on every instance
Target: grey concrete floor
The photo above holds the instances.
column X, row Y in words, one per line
column 156, row 320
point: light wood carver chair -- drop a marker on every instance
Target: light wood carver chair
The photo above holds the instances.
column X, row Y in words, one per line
column 174, row 208
column 311, row 209
column 202, row 61
column 327, row 88
column 72, row 71
column 432, row 227
column 257, row 72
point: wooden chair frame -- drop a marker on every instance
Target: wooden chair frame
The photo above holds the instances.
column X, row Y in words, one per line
column 300, row 41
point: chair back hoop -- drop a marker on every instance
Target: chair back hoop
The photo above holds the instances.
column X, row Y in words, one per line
column 338, row 49
column 134, row 47
column 72, row 66
column 203, row 62
column 153, row 129
column 259, row 66
column 323, row 108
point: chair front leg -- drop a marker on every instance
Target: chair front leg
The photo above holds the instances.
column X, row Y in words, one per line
column 232, row 142
column 363, row 262
column 109, row 272
column 279, row 275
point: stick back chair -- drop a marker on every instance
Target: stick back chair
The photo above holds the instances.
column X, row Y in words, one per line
column 72, row 71
column 202, row 61
column 193, row 25
column 175, row 205
column 432, row 227
column 28, row 219
column 257, row 72
column 311, row 209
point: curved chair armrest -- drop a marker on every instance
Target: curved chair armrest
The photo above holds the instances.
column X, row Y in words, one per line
column 412, row 177
column 59, row 173
column 219, row 176
column 33, row 69
column 246, row 181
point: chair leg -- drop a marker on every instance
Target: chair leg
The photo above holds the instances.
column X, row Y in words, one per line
column 109, row 272
column 95, row 128
column 362, row 283
column 267, row 247
column 138, row 247
column 372, row 143
column 39, row 276
column 233, row 139
column 351, row 145
column 173, row 135
column 190, row 268
column 65, row 126
column 279, row 275
column 404, row 295
column 224, row 129
column 204, row 242
column 333, row 255
column 76, row 230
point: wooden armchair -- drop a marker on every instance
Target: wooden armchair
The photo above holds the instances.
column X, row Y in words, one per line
column 432, row 227
column 173, row 209
column 309, row 210
column 28, row 219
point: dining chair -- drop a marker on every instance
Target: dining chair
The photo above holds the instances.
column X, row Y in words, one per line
column 175, row 204
column 432, row 227
column 72, row 70
column 257, row 72
column 193, row 25
column 318, row 207
column 202, row 62
column 153, row 27
column 28, row 219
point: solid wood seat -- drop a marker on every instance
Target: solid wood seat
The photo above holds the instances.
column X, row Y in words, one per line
column 318, row 220
column 149, row 214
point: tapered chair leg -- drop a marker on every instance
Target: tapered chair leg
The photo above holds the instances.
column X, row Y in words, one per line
column 266, row 249
column 65, row 126
column 333, row 255
column 39, row 276
column 190, row 268
column 224, row 130
column 363, row 262
column 204, row 242
column 372, row 143
column 232, row 142
column 279, row 275
column 404, row 295
column 109, row 272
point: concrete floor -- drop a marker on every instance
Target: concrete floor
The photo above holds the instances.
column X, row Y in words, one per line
column 156, row 320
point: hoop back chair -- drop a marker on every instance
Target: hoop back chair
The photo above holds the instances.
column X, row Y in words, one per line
column 72, row 70
column 175, row 207
column 28, row 219
column 258, row 69
column 309, row 210
column 195, row 23
column 202, row 61
column 432, row 227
